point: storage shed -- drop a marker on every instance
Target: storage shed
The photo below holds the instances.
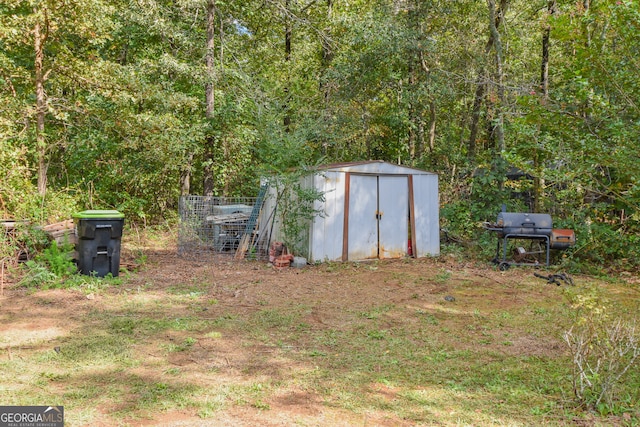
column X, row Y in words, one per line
column 370, row 210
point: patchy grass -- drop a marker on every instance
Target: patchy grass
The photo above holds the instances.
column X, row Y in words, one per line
column 191, row 343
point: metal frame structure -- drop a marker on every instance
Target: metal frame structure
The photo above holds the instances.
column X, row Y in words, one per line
column 503, row 264
column 220, row 227
column 547, row 236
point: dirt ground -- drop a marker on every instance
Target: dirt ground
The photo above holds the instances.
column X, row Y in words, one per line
column 439, row 285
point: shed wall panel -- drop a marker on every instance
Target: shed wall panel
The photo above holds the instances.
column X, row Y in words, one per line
column 269, row 218
column 327, row 229
column 427, row 215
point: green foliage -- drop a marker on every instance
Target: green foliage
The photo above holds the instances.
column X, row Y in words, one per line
column 455, row 218
column 601, row 243
column 296, row 207
column 58, row 259
column 287, row 161
column 24, row 241
column 90, row 284
column 37, row 275
column 298, row 212
column 33, row 238
column 50, row 267
column 17, row 192
column 125, row 118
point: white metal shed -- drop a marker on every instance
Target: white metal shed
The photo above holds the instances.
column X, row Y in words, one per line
column 371, row 210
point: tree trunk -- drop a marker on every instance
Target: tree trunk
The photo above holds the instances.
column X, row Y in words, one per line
column 413, row 115
column 40, row 37
column 327, row 58
column 538, row 182
column 210, row 58
column 209, row 149
column 327, row 50
column 586, row 5
column 287, row 59
column 475, row 118
column 498, row 127
column 417, row 64
column 208, row 183
column 432, row 126
column 544, row 66
column 185, row 177
column 481, row 92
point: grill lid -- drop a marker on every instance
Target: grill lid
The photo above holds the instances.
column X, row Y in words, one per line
column 521, row 223
column 523, row 219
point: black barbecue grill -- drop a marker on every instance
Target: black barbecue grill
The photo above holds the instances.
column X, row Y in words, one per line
column 536, row 228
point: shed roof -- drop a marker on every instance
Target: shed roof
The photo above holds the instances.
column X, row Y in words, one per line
column 372, row 166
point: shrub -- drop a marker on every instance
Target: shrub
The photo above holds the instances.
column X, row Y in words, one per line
column 49, row 267
column 603, row 351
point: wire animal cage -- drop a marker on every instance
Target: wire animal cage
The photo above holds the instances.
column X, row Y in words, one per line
column 221, row 226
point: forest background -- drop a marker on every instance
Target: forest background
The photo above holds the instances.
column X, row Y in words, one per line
column 128, row 104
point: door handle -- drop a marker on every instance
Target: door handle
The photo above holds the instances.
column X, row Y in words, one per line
column 379, row 215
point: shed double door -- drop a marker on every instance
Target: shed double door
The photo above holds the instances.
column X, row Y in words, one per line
column 378, row 217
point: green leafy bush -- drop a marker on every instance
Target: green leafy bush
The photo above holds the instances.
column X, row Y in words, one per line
column 24, row 241
column 298, row 211
column 50, row 267
column 37, row 275
column 602, row 245
column 58, row 259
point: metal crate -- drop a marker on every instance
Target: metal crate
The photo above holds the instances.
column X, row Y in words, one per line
column 216, row 226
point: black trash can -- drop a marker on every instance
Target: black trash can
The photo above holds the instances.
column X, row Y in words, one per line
column 99, row 234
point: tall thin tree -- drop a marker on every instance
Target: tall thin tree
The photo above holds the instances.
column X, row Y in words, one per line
column 209, row 149
column 538, row 182
column 287, row 59
column 40, row 35
column 497, row 126
column 482, row 82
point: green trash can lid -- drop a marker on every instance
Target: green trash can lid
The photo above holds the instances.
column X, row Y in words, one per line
column 97, row 214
